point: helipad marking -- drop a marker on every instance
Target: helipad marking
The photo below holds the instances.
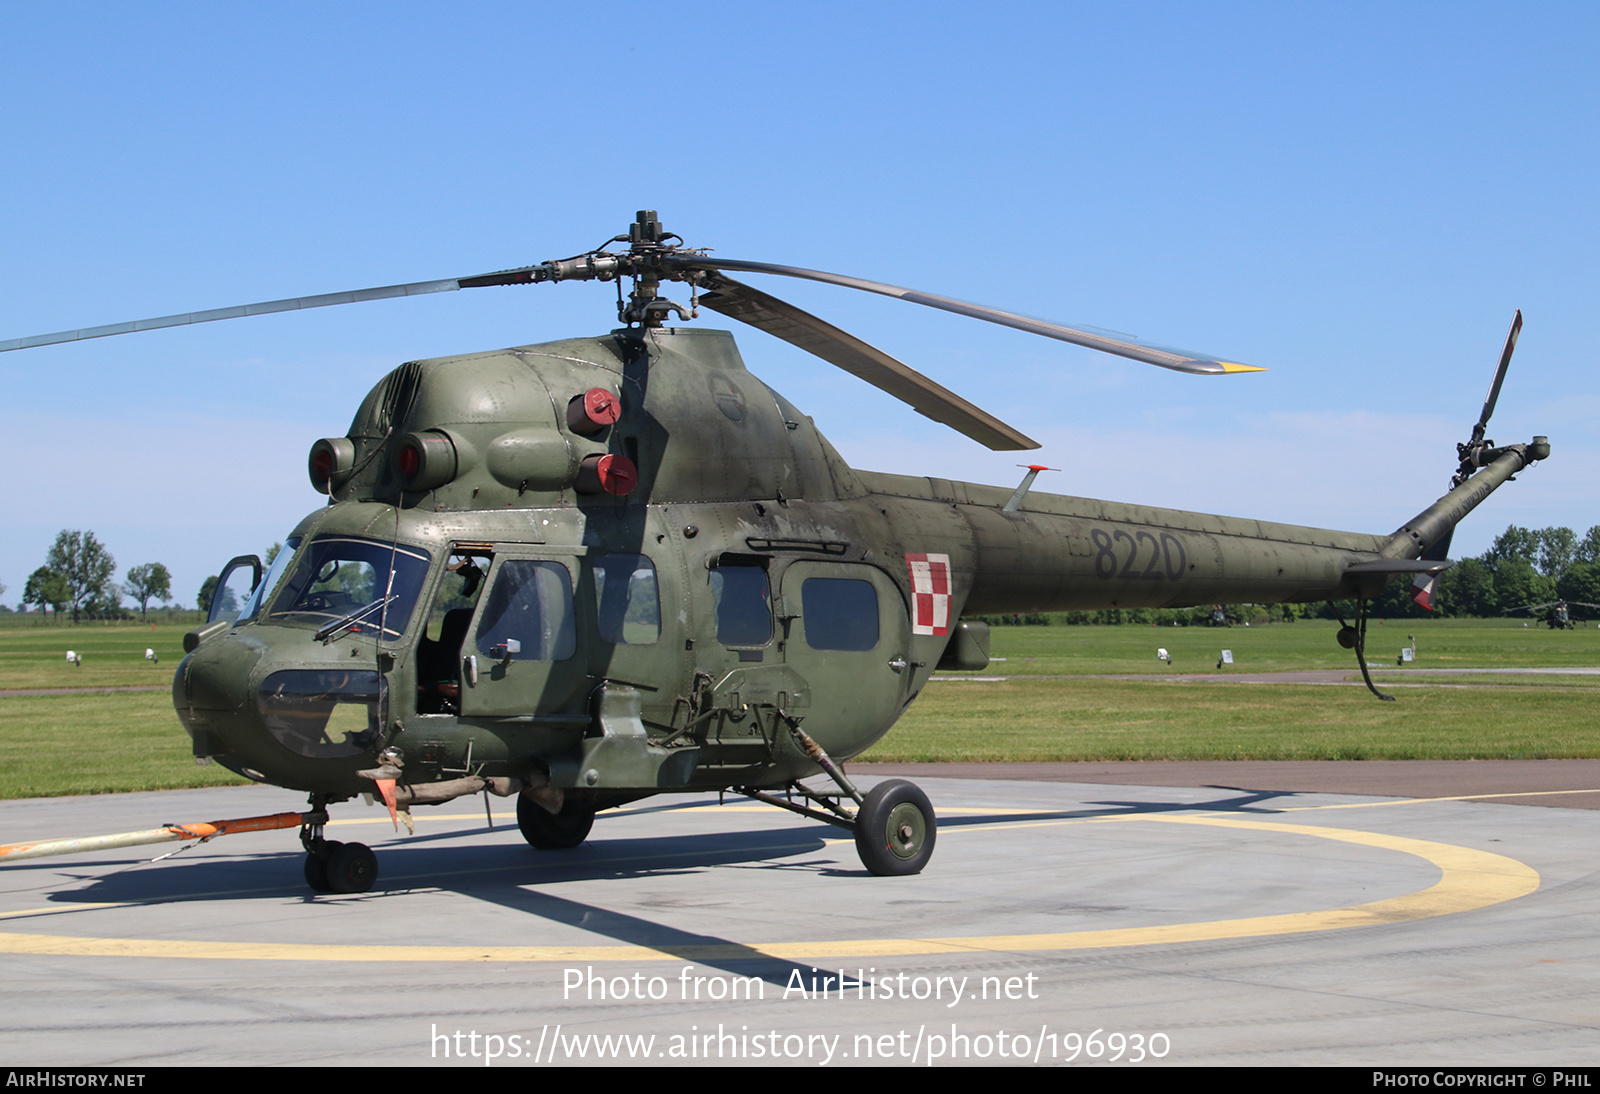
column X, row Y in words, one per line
column 1470, row 879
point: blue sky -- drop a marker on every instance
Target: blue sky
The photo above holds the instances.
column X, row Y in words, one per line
column 1356, row 196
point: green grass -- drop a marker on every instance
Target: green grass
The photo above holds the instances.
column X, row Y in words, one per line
column 1277, row 647
column 36, row 656
column 1496, row 681
column 96, row 744
column 1042, row 720
column 1522, row 717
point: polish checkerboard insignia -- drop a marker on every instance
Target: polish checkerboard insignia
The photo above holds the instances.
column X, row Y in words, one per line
column 930, row 593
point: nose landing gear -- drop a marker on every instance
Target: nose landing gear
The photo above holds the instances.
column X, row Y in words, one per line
column 331, row 866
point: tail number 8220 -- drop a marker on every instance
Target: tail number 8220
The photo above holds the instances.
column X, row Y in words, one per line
column 1137, row 555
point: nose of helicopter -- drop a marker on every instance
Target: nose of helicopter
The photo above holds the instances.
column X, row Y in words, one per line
column 273, row 705
column 211, row 688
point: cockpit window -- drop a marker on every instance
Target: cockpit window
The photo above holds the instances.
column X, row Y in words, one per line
column 335, row 576
column 276, row 566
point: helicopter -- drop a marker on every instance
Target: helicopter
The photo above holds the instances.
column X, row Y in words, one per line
column 589, row 571
column 1558, row 617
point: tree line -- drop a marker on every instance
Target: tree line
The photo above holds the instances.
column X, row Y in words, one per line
column 1523, row 567
column 77, row 576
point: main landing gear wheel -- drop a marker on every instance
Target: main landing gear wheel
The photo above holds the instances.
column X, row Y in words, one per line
column 554, row 831
column 334, row 867
column 895, row 829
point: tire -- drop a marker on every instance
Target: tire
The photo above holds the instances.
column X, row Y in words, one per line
column 352, row 868
column 316, row 866
column 895, row 829
column 554, row 831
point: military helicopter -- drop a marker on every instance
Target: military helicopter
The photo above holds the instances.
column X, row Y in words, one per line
column 594, row 570
column 1557, row 613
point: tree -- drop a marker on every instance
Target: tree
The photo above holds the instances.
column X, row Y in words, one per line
column 85, row 565
column 47, row 589
column 1581, row 583
column 1558, row 548
column 1513, row 543
column 208, row 589
column 1467, row 588
column 106, row 604
column 1589, row 547
column 149, row 582
column 1517, row 584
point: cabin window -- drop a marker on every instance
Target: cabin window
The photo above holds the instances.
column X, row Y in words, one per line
column 530, row 603
column 839, row 613
column 627, row 600
column 744, row 603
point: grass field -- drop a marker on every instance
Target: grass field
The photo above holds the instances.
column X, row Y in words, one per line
column 1449, row 718
column 76, row 744
column 36, row 656
column 1278, row 647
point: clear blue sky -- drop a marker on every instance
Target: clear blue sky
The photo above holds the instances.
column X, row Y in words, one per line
column 1354, row 195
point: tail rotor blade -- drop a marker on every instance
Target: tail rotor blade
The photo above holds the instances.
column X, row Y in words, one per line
column 1499, row 377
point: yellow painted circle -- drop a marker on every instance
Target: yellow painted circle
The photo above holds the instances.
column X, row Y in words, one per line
column 1470, row 879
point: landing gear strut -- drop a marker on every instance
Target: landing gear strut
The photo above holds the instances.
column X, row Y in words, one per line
column 894, row 823
column 331, row 866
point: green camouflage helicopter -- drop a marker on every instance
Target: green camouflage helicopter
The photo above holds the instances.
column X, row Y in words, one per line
column 1557, row 613
column 594, row 570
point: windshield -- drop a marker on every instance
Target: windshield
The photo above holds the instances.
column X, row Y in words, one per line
column 276, row 565
column 333, row 576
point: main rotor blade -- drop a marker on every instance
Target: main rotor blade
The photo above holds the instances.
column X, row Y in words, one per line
column 1150, row 353
column 799, row 328
column 415, row 288
column 519, row 276
column 1499, row 376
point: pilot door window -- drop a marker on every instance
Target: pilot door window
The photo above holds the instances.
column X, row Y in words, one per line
column 627, row 600
column 744, row 603
column 529, row 615
column 439, row 651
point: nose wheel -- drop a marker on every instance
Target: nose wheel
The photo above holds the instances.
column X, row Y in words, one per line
column 340, row 867
column 331, row 866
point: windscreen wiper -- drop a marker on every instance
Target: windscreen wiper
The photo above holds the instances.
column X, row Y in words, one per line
column 354, row 617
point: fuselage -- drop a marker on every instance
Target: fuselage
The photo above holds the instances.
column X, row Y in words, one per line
column 657, row 625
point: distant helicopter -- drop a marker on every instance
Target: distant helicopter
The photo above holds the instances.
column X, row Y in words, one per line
column 590, row 571
column 1558, row 617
